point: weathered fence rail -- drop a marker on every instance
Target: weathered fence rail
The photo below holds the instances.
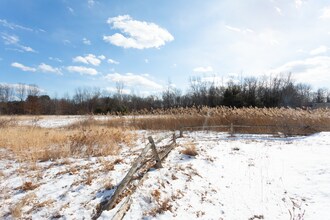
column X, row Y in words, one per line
column 138, row 164
column 272, row 129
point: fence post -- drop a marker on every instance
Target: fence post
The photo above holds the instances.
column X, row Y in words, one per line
column 231, row 130
column 154, row 151
column 181, row 133
column 174, row 138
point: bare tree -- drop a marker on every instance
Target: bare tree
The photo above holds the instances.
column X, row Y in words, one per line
column 21, row 91
column 32, row 90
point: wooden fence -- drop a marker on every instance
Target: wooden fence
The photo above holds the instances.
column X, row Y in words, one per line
column 285, row 130
column 141, row 163
column 144, row 163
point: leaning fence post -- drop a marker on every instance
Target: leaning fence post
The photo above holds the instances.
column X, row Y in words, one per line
column 174, row 138
column 231, row 130
column 181, row 133
column 154, row 151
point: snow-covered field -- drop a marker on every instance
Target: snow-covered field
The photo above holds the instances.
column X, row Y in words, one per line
column 244, row 177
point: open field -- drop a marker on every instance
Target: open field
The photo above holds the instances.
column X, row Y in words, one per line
column 53, row 166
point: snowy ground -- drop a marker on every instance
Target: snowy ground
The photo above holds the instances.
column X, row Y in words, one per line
column 245, row 177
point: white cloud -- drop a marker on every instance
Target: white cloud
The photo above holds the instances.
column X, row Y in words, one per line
column 49, row 69
column 112, row 61
column 203, row 69
column 138, row 34
column 55, row 59
column 238, row 30
column 66, row 42
column 23, row 67
column 86, row 41
column 70, row 10
column 14, row 40
column 131, row 79
column 319, row 50
column 82, row 70
column 13, row 26
column 314, row 71
column 146, row 60
column 10, row 39
column 88, row 59
column 102, row 57
column 325, row 13
column 27, row 49
column 91, row 3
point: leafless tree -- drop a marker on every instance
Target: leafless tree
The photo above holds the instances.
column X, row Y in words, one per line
column 21, row 91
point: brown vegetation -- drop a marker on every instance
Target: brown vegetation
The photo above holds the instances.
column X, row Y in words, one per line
column 34, row 143
column 190, row 150
column 263, row 120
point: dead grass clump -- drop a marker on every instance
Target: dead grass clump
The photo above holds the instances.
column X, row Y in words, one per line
column 162, row 207
column 190, row 150
column 16, row 209
column 118, row 161
column 41, row 144
column 108, row 185
column 89, row 178
column 28, row 186
column 99, row 141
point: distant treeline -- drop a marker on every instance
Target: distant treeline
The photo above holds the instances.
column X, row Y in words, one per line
column 279, row 91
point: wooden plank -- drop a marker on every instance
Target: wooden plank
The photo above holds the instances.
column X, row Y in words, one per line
column 123, row 209
column 154, row 151
column 127, row 179
column 112, row 202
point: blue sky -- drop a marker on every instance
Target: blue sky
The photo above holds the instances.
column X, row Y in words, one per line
column 65, row 44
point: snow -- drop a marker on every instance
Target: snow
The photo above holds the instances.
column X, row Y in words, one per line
column 242, row 177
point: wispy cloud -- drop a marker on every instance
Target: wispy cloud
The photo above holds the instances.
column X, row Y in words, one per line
column 82, row 70
column 132, row 79
column 102, row 57
column 70, row 10
column 86, row 41
column 45, row 68
column 112, row 61
column 49, row 69
column 313, row 70
column 91, row 3
column 203, row 69
column 23, row 67
column 13, row 26
column 55, row 59
column 137, row 34
column 239, row 30
column 10, row 39
column 320, row 50
column 15, row 41
column 88, row 59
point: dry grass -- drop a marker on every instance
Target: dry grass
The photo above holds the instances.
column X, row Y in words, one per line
column 16, row 209
column 269, row 120
column 190, row 150
column 92, row 137
column 28, row 186
column 31, row 143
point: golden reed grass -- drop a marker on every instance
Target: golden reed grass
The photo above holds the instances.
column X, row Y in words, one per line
column 263, row 120
column 40, row 144
column 92, row 137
